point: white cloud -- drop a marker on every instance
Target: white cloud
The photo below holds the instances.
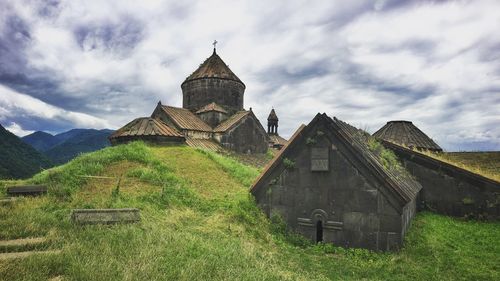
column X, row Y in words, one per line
column 13, row 103
column 17, row 130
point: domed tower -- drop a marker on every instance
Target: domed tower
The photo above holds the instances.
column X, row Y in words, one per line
column 213, row 82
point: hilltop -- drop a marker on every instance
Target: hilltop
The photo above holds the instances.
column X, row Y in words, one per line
column 199, row 223
column 18, row 159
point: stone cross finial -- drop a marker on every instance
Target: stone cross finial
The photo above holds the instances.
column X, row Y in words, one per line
column 215, row 43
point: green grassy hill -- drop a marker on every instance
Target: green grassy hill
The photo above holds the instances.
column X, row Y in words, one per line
column 199, row 223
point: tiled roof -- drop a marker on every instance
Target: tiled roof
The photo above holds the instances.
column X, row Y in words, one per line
column 213, row 67
column 204, row 144
column 406, row 134
column 212, row 107
column 185, row 119
column 398, row 182
column 146, row 126
column 277, row 139
column 231, row 121
column 272, row 115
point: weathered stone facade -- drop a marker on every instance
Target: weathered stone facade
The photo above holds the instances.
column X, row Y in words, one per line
column 213, row 118
column 326, row 193
column 247, row 137
column 450, row 190
column 200, row 92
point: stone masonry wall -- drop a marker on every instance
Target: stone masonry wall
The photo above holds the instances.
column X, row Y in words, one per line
column 450, row 190
column 200, row 92
column 247, row 137
column 353, row 212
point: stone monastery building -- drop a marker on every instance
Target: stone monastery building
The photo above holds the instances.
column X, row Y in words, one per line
column 212, row 116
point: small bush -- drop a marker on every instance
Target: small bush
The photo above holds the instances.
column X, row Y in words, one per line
column 289, row 164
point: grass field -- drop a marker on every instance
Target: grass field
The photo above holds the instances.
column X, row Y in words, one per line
column 486, row 164
column 199, row 223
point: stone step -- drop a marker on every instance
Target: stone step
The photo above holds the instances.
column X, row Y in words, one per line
column 26, row 190
column 8, row 256
column 22, row 244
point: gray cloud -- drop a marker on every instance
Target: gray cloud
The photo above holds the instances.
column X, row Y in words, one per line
column 66, row 64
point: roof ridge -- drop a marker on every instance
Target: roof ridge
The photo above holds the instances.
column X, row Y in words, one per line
column 403, row 191
column 231, row 121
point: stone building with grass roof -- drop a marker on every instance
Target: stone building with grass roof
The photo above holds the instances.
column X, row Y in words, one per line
column 333, row 183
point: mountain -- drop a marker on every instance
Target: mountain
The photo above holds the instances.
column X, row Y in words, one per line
column 65, row 146
column 18, row 159
column 78, row 141
column 41, row 141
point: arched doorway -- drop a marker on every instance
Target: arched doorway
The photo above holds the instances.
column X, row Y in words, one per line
column 319, row 231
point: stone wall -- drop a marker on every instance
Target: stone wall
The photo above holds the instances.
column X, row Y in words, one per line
column 450, row 190
column 212, row 118
column 247, row 137
column 351, row 209
column 200, row 92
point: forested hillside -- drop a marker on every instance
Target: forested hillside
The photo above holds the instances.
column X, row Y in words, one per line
column 18, row 159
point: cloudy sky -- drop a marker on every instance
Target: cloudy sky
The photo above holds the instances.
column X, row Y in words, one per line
column 100, row 64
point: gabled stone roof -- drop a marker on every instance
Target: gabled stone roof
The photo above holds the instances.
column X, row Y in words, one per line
column 406, row 134
column 398, row 182
column 231, row 121
column 146, row 126
column 185, row 119
column 213, row 67
column 212, row 107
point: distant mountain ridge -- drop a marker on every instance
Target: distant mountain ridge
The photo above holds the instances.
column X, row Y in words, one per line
column 18, row 159
column 65, row 146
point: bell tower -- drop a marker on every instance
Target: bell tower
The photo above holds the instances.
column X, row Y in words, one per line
column 272, row 123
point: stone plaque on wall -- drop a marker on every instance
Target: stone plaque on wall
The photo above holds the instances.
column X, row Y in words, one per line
column 319, row 159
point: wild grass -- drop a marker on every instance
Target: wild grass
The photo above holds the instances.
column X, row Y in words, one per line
column 245, row 174
column 486, row 164
column 199, row 223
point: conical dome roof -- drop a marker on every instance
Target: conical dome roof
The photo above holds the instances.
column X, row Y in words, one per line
column 407, row 134
column 213, row 67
